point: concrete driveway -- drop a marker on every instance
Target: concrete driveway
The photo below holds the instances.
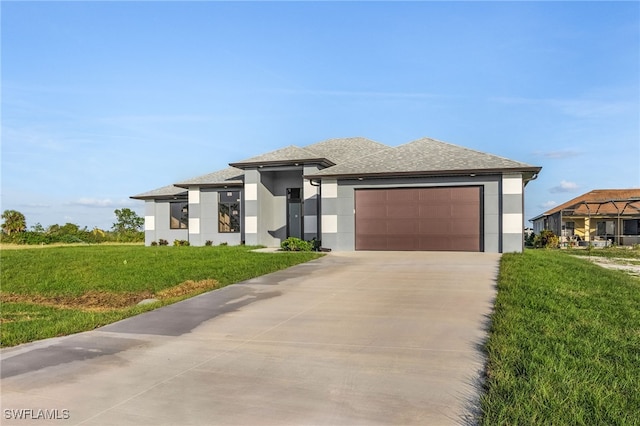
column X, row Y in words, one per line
column 352, row 338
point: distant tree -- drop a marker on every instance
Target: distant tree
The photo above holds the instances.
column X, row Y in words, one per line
column 38, row 228
column 14, row 221
column 127, row 221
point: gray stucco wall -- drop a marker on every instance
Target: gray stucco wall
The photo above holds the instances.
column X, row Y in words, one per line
column 512, row 205
column 310, row 204
column 268, row 207
column 161, row 212
column 343, row 205
column 206, row 213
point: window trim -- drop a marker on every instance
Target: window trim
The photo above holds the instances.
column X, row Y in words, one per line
column 182, row 222
column 230, row 207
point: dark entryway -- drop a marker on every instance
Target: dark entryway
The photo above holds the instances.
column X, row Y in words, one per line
column 294, row 213
column 431, row 219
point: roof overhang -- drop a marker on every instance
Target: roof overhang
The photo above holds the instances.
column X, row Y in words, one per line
column 182, row 195
column 282, row 163
column 232, row 183
column 528, row 174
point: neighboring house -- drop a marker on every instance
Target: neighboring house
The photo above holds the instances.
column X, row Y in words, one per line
column 351, row 194
column 602, row 214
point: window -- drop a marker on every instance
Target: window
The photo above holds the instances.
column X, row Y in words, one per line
column 179, row 215
column 229, row 211
column 605, row 228
column 632, row 227
column 568, row 229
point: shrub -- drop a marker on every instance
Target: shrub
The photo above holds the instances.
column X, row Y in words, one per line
column 530, row 239
column 546, row 239
column 163, row 242
column 178, row 243
column 224, row 243
column 296, row 244
column 154, row 243
column 208, row 243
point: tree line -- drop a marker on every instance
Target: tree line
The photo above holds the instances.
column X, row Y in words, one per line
column 126, row 228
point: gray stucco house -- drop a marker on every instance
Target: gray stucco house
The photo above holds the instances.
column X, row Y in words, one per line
column 351, row 194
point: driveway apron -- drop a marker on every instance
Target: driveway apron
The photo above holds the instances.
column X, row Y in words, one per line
column 362, row 338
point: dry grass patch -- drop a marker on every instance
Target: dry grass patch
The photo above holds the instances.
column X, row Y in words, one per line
column 89, row 301
column 104, row 300
column 186, row 288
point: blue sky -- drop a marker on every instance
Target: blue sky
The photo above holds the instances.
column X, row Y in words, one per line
column 104, row 100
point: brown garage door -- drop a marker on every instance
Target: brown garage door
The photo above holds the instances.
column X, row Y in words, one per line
column 418, row 219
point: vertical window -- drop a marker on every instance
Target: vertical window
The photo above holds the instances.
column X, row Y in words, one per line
column 229, row 211
column 605, row 228
column 179, row 215
column 568, row 229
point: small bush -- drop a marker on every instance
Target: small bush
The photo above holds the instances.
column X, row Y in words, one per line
column 296, row 244
column 224, row 243
column 154, row 243
column 178, row 243
column 546, row 239
column 208, row 243
column 530, row 239
column 163, row 242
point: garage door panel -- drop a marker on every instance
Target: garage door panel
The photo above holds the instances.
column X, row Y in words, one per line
column 408, row 211
column 403, row 227
column 464, row 193
column 372, row 226
column 371, row 198
column 419, row 219
column 373, row 211
column 464, row 243
column 435, row 243
column 435, row 227
column 435, row 194
column 467, row 211
column 434, row 211
column 464, row 228
column 408, row 196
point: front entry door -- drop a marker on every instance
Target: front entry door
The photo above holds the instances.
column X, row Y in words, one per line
column 294, row 213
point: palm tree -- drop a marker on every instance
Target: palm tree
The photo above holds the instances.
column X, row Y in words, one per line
column 14, row 221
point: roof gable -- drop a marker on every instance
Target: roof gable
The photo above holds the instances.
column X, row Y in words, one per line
column 169, row 191
column 228, row 176
column 428, row 156
column 287, row 155
column 340, row 150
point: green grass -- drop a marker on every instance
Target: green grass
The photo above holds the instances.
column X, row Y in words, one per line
column 564, row 343
column 70, row 272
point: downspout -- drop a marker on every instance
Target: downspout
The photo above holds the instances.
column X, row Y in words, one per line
column 318, row 185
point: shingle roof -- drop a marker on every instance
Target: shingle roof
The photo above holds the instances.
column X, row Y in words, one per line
column 340, row 150
column 228, row 176
column 424, row 156
column 357, row 156
column 598, row 201
column 288, row 155
column 168, row 191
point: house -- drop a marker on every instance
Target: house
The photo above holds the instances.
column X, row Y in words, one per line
column 611, row 215
column 351, row 194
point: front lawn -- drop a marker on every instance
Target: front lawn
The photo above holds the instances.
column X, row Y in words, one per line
column 62, row 290
column 564, row 343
